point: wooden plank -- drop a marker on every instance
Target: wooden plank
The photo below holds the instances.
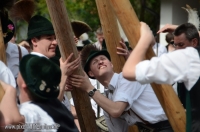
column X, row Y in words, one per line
column 2, row 55
column 165, row 93
column 65, row 37
column 110, row 32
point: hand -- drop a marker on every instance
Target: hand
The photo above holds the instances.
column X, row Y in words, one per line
column 123, row 50
column 146, row 33
column 167, row 28
column 26, row 45
column 68, row 67
column 6, row 86
column 75, row 39
column 68, row 87
column 81, row 82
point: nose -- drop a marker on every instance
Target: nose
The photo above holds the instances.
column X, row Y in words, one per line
column 55, row 42
column 100, row 61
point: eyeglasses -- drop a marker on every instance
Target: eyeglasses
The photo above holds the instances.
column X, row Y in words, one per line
column 178, row 45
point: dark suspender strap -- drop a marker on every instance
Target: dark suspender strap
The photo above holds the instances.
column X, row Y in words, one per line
column 188, row 113
column 146, row 122
column 20, row 53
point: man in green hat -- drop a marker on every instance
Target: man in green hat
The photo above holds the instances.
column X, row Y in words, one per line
column 42, row 40
column 126, row 102
column 40, row 110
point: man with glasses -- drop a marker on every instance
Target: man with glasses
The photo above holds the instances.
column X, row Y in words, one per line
column 181, row 66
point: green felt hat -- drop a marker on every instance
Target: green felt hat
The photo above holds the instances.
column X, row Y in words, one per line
column 41, row 76
column 38, row 26
column 93, row 54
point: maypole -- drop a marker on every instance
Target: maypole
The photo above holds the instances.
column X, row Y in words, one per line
column 65, row 37
column 165, row 93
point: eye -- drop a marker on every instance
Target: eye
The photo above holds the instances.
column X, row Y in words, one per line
column 94, row 62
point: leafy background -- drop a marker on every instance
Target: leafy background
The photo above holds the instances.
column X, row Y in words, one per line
column 86, row 10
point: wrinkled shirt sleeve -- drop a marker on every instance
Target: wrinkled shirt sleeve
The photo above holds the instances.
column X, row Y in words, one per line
column 178, row 66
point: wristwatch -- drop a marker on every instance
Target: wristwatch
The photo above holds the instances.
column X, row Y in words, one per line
column 91, row 93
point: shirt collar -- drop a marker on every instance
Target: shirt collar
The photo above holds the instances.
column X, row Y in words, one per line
column 113, row 82
column 38, row 54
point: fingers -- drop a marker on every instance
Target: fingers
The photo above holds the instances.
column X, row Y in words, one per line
column 69, row 58
column 123, row 45
column 68, row 87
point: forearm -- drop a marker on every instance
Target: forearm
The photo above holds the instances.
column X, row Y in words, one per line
column 62, row 87
column 9, row 109
column 114, row 109
column 137, row 55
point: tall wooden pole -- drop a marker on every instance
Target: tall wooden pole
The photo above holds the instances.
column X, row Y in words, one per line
column 2, row 55
column 64, row 34
column 112, row 37
column 110, row 32
column 2, row 46
column 165, row 94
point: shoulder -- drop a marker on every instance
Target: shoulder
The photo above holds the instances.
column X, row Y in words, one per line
column 37, row 114
column 24, row 50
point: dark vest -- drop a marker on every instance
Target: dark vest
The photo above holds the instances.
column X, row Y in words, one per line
column 194, row 95
column 60, row 114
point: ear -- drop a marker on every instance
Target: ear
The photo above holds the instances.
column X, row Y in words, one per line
column 34, row 41
column 111, row 65
column 194, row 42
column 90, row 74
column 24, row 86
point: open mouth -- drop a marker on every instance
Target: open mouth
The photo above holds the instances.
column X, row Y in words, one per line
column 102, row 66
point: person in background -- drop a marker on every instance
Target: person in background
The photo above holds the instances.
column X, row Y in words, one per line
column 39, row 81
column 170, row 41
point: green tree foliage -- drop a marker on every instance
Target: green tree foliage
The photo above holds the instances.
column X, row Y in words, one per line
column 86, row 10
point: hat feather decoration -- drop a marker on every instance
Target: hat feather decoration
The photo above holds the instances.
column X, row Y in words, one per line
column 80, row 27
column 86, row 52
column 192, row 16
column 23, row 9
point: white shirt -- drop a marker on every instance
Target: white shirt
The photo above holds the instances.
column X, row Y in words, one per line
column 115, row 124
column 39, row 54
column 161, row 49
column 94, row 83
column 178, row 66
column 6, row 75
column 12, row 56
column 33, row 114
column 140, row 98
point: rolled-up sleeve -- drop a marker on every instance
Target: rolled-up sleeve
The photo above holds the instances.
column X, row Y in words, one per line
column 178, row 66
column 6, row 75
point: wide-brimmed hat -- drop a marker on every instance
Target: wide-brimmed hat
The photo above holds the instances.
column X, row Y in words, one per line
column 93, row 52
column 8, row 28
column 38, row 26
column 41, row 76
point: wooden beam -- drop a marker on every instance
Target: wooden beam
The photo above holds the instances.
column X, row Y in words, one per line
column 165, row 93
column 2, row 46
column 110, row 32
column 2, row 56
column 65, row 37
column 112, row 37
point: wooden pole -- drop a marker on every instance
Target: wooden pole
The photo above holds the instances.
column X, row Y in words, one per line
column 2, row 45
column 165, row 94
column 2, row 56
column 110, row 32
column 112, row 37
column 64, row 34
